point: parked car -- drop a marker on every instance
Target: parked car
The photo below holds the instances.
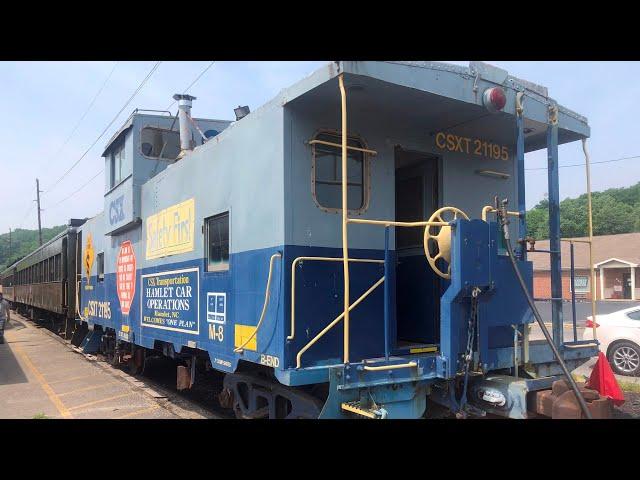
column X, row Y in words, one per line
column 619, row 336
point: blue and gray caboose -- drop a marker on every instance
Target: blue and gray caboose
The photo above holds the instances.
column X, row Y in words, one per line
column 227, row 244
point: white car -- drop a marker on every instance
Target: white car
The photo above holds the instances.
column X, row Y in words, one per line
column 619, row 336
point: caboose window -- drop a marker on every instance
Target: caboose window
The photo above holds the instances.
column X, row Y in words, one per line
column 217, row 242
column 117, row 165
column 327, row 174
column 160, row 143
column 100, row 262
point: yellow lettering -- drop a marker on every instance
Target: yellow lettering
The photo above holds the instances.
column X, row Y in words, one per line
column 451, row 144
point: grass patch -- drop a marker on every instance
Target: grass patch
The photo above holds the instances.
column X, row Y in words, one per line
column 579, row 378
column 39, row 416
column 629, row 387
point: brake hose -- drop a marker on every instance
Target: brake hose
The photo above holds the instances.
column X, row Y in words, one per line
column 504, row 222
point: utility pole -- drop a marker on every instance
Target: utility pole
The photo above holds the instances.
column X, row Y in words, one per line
column 9, row 244
column 39, row 210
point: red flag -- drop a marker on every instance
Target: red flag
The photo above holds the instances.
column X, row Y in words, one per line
column 604, row 381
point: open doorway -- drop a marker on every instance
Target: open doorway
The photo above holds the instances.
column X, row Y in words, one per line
column 626, row 285
column 417, row 286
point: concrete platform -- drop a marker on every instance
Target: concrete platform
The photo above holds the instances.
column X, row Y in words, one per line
column 41, row 376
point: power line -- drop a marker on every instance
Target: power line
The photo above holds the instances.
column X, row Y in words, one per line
column 153, row 69
column 591, row 163
column 75, row 128
column 82, row 117
column 80, row 188
column 118, row 114
column 186, row 90
column 26, row 215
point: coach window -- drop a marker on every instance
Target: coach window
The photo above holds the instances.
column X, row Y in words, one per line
column 217, row 242
column 160, row 143
column 56, row 262
column 326, row 179
column 100, row 263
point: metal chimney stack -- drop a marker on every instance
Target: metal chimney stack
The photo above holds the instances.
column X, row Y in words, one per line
column 184, row 111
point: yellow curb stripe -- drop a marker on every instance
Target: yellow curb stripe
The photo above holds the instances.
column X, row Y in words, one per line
column 86, row 389
column 95, row 402
column 64, row 411
column 138, row 412
column 75, row 369
column 72, row 379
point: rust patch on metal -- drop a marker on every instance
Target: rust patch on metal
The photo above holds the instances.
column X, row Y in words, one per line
column 561, row 402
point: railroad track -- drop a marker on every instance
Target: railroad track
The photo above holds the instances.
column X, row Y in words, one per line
column 157, row 381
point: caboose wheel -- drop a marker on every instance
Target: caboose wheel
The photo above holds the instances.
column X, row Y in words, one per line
column 137, row 361
column 254, row 396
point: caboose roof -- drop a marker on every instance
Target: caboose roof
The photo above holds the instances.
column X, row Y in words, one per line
column 438, row 96
column 435, row 95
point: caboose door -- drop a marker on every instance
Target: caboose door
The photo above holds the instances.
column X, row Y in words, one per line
column 417, row 286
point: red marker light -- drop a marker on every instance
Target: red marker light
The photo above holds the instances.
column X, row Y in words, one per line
column 494, row 99
column 589, row 324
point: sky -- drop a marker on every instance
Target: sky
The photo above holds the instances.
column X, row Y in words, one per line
column 54, row 111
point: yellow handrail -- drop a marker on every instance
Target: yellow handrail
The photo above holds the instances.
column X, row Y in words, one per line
column 391, row 367
column 331, row 144
column 345, row 223
column 293, row 281
column 389, row 223
column 345, row 241
column 583, row 345
column 489, row 209
column 267, row 295
column 590, row 217
column 335, row 321
column 79, row 284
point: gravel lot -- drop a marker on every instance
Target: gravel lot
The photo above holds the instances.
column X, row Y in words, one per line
column 630, row 408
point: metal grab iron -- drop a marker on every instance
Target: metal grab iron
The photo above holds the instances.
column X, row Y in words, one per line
column 442, row 239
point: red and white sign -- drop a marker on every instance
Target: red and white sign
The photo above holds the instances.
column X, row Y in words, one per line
column 126, row 276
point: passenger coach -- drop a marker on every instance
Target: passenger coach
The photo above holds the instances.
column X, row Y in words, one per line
column 42, row 285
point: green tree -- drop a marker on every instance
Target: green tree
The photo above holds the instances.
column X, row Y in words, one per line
column 615, row 210
column 23, row 242
column 611, row 217
column 538, row 223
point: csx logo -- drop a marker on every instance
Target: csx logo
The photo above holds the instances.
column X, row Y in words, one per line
column 116, row 210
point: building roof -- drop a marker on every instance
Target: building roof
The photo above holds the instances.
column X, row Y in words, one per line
column 624, row 248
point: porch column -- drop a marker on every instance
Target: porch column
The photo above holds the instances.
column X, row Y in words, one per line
column 601, row 283
column 554, row 226
column 522, row 207
column 633, row 283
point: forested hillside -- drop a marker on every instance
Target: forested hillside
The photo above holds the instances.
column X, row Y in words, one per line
column 616, row 210
column 22, row 243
